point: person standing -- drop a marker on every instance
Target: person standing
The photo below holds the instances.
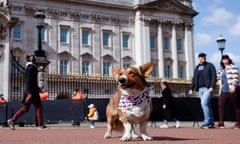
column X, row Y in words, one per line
column 204, row 81
column 92, row 115
column 31, row 94
column 77, row 95
column 230, row 79
column 167, row 106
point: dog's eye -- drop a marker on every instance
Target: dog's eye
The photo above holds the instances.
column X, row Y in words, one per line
column 132, row 73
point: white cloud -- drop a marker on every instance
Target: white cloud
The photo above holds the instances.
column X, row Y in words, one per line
column 195, row 6
column 215, row 58
column 218, row 16
column 203, row 39
column 235, row 29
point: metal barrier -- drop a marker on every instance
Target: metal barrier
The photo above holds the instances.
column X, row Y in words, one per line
column 90, row 86
column 187, row 109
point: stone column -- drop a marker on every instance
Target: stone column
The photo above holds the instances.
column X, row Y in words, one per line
column 160, row 52
column 139, row 42
column 5, row 69
column 5, row 62
column 189, row 51
column 146, row 39
column 174, row 52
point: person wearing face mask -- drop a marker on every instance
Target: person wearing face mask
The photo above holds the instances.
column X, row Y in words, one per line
column 229, row 79
column 31, row 94
column 204, row 81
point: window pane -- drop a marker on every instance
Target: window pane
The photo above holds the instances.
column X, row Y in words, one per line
column 105, row 39
column 126, row 65
column 106, row 68
column 85, row 67
column 63, row 66
column 63, row 14
column 17, row 9
column 152, row 42
column 125, row 22
column 63, row 35
column 105, row 19
column 17, row 31
column 125, row 41
column 85, row 35
column 181, row 72
column 167, row 71
column 166, row 43
column 179, row 44
column 85, row 17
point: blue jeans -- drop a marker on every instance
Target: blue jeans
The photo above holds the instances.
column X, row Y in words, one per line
column 205, row 97
column 91, row 122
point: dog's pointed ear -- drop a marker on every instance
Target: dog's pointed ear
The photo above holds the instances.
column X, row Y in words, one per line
column 116, row 72
column 146, row 69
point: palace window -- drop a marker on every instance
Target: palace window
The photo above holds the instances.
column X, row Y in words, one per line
column 85, row 37
column 106, row 39
column 105, row 20
column 125, row 41
column 85, row 67
column 63, row 14
column 126, row 65
column 181, row 72
column 106, row 68
column 152, row 42
column 179, row 45
column 17, row 9
column 17, row 31
column 124, row 22
column 63, row 66
column 85, row 17
column 63, row 35
column 166, row 43
column 167, row 71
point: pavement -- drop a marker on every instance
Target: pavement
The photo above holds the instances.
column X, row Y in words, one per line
column 65, row 133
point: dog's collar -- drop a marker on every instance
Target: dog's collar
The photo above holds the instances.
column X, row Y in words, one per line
column 127, row 101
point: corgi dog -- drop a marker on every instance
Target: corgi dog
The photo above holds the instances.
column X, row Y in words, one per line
column 131, row 104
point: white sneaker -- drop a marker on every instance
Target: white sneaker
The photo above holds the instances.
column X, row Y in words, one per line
column 164, row 126
column 11, row 124
column 92, row 126
column 177, row 124
column 43, row 127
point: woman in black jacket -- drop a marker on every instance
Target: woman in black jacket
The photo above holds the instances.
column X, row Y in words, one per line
column 167, row 106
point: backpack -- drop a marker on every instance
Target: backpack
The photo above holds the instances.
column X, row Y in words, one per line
column 95, row 115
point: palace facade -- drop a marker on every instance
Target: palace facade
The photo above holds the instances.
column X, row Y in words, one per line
column 93, row 36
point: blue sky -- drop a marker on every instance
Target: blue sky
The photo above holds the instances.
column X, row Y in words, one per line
column 217, row 17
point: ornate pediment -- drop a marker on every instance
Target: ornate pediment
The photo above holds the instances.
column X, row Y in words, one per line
column 170, row 6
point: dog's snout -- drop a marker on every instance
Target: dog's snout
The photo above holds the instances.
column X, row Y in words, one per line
column 122, row 80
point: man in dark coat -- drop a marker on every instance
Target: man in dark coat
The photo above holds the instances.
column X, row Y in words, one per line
column 204, row 80
column 31, row 94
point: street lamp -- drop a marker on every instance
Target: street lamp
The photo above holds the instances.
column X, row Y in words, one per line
column 221, row 43
column 41, row 59
column 40, row 16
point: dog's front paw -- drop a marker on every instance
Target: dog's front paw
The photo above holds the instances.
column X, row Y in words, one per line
column 107, row 135
column 125, row 138
column 134, row 135
column 146, row 137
